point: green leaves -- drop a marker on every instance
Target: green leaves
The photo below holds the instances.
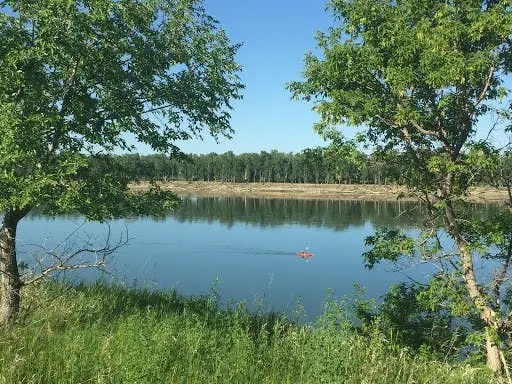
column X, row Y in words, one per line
column 410, row 68
column 100, row 192
column 389, row 245
column 419, row 76
column 82, row 77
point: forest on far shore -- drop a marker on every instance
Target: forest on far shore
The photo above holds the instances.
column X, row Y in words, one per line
column 316, row 165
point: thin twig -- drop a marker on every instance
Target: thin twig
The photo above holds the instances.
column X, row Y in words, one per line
column 63, row 262
column 483, row 91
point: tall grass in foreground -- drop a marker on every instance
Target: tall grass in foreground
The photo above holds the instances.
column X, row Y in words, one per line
column 107, row 334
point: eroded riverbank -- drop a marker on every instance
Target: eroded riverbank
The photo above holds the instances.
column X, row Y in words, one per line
column 310, row 191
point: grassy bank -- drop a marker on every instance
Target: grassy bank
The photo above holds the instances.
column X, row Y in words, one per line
column 104, row 334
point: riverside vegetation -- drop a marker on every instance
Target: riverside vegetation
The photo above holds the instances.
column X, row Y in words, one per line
column 78, row 78
column 109, row 334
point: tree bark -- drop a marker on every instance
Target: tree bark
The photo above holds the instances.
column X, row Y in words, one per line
column 9, row 273
column 487, row 314
column 493, row 355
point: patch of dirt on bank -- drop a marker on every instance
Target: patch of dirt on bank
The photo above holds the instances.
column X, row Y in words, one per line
column 307, row 191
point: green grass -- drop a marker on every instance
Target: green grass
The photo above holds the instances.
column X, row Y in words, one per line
column 109, row 334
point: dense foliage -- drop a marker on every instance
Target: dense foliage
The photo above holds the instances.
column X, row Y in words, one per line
column 420, row 77
column 308, row 166
column 91, row 77
column 316, row 165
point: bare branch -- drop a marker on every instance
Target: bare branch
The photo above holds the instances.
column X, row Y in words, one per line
column 416, row 125
column 156, row 108
column 483, row 91
column 65, row 261
column 57, row 134
column 386, row 121
column 494, row 125
column 502, row 275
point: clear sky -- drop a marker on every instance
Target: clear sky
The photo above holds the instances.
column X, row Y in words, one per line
column 276, row 34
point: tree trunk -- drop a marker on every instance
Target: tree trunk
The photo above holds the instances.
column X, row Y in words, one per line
column 10, row 276
column 487, row 314
column 493, row 355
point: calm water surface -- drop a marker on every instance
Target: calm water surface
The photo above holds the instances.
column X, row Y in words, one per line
column 247, row 245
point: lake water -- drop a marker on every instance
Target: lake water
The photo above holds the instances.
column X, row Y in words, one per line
column 244, row 247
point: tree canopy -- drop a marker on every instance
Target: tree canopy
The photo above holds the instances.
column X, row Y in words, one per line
column 419, row 76
column 94, row 77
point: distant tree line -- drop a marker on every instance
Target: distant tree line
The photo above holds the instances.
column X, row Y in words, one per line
column 316, row 165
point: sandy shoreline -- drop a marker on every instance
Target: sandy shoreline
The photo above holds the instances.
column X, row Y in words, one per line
column 307, row 191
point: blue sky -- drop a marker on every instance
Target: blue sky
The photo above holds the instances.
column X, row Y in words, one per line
column 275, row 35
